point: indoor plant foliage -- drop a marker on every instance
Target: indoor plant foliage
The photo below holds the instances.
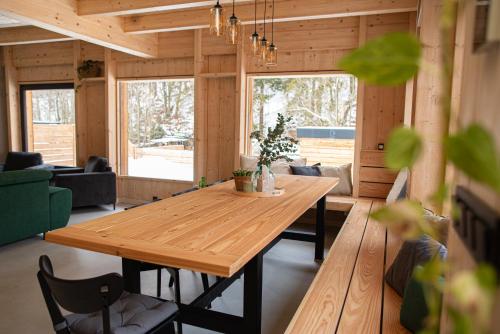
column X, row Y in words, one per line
column 243, row 180
column 470, row 150
column 275, row 145
column 89, row 69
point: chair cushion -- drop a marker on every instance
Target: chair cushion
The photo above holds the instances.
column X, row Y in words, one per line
column 22, row 160
column 131, row 314
column 96, row 165
column 344, row 188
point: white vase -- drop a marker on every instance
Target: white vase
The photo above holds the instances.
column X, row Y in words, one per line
column 264, row 179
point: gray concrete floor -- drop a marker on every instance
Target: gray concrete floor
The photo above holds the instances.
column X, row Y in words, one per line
column 289, row 269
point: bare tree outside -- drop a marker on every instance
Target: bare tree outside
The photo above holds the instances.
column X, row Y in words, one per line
column 323, row 109
column 160, row 128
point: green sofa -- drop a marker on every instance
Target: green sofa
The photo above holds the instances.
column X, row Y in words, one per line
column 28, row 206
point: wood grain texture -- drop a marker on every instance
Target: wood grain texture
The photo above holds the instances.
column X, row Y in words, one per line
column 29, row 35
column 363, row 305
column 375, row 174
column 210, row 230
column 392, row 301
column 321, row 308
column 374, row 190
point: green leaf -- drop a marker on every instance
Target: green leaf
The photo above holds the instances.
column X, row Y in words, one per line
column 404, row 218
column 473, row 151
column 403, row 148
column 388, row 60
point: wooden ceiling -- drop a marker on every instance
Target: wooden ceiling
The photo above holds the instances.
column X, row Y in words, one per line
column 132, row 26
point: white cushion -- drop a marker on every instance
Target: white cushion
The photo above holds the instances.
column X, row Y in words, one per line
column 278, row 167
column 343, row 172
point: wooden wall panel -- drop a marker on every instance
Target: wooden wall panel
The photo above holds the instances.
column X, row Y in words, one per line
column 4, row 141
column 96, row 123
column 212, row 45
column 90, row 51
column 134, row 190
column 45, row 73
column 156, row 68
column 60, row 53
column 220, row 128
column 176, row 44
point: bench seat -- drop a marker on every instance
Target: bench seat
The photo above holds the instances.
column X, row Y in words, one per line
column 348, row 294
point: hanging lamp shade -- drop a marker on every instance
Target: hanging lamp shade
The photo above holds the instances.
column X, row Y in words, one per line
column 272, row 55
column 255, row 44
column 233, row 29
column 217, row 20
column 263, row 42
column 254, row 39
column 272, row 51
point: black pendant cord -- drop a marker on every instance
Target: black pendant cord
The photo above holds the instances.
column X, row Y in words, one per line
column 255, row 21
column 233, row 7
column 272, row 26
column 265, row 11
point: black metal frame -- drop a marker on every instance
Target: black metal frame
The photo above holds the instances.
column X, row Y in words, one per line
column 22, row 96
column 197, row 314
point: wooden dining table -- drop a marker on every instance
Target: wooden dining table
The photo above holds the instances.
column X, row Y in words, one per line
column 213, row 230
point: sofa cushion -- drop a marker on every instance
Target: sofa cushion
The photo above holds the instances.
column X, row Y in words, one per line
column 411, row 254
column 24, row 176
column 278, row 167
column 59, row 207
column 96, row 165
column 344, row 188
column 22, row 160
column 131, row 314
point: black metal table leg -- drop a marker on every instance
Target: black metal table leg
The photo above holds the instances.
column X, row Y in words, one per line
column 320, row 229
column 131, row 270
column 252, row 295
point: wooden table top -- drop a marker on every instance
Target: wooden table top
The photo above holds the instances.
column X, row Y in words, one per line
column 212, row 230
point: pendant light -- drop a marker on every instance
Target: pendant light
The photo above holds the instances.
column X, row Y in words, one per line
column 255, row 42
column 217, row 20
column 272, row 51
column 233, row 29
column 263, row 41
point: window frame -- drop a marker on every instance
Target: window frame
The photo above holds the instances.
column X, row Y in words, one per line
column 122, row 131
column 249, row 103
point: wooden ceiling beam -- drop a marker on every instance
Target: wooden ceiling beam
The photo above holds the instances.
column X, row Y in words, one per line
column 286, row 10
column 60, row 16
column 29, row 35
column 134, row 7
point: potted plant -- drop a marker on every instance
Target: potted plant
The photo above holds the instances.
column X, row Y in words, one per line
column 243, row 180
column 89, row 69
column 274, row 146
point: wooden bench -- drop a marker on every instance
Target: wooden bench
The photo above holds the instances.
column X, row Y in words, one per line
column 348, row 294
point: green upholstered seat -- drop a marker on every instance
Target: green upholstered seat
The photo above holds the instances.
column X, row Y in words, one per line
column 59, row 206
column 25, row 205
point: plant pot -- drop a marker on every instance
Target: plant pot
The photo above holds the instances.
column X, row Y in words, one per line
column 243, row 183
column 264, row 180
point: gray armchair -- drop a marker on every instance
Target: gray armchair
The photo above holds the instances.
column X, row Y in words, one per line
column 22, row 160
column 93, row 185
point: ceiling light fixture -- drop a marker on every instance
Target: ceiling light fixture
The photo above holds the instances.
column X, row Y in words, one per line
column 272, row 52
column 233, row 29
column 217, row 20
column 255, row 42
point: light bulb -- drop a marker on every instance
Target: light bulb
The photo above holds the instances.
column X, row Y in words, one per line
column 272, row 55
column 263, row 50
column 255, row 44
column 233, row 30
column 217, row 20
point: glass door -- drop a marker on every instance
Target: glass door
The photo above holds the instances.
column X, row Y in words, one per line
column 48, row 114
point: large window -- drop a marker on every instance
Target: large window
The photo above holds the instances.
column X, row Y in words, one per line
column 48, row 112
column 323, row 109
column 157, row 128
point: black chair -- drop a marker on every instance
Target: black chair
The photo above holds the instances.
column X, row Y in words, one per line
column 100, row 305
column 93, row 185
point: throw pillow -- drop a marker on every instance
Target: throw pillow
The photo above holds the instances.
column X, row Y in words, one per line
column 278, row 167
column 439, row 223
column 344, row 188
column 96, row 165
column 411, row 254
column 22, row 160
column 414, row 309
column 306, row 170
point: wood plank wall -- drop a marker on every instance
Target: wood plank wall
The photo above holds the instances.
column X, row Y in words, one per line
column 220, row 71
